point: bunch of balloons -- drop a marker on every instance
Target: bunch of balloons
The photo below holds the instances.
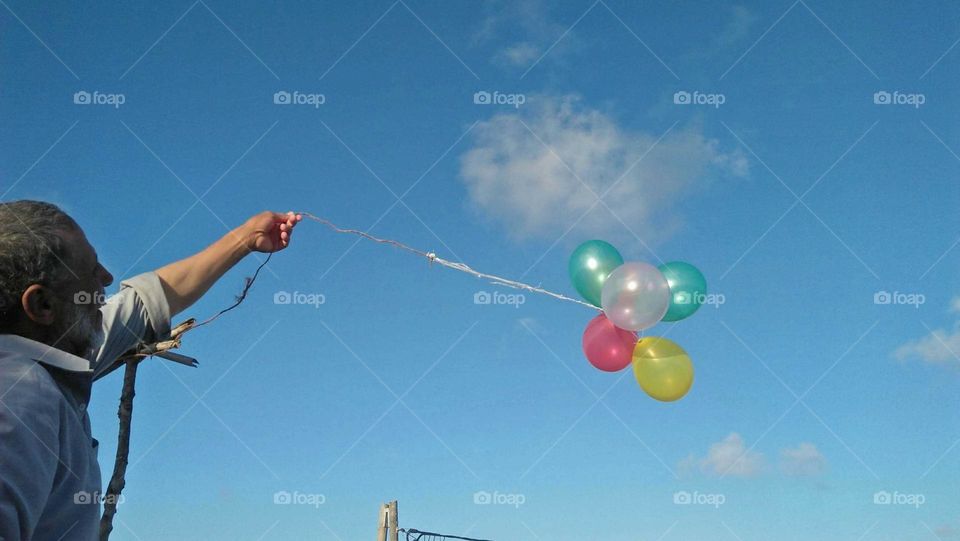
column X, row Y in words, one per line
column 635, row 296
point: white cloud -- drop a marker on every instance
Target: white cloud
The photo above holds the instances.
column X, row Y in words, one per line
column 528, row 26
column 938, row 347
column 739, row 25
column 524, row 181
column 731, row 457
column 804, row 460
column 520, row 54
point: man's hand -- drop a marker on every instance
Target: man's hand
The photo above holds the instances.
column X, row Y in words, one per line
column 187, row 280
column 269, row 232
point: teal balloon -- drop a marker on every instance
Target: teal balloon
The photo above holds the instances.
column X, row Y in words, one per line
column 590, row 264
column 688, row 289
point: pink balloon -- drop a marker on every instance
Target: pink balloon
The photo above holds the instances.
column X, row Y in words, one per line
column 606, row 346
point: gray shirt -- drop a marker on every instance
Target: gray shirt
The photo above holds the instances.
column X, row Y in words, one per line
column 50, row 481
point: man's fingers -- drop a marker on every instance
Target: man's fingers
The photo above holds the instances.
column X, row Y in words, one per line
column 285, row 224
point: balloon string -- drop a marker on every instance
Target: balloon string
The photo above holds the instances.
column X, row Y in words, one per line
column 434, row 258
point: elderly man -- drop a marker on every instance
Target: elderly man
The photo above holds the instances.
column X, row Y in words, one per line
column 54, row 341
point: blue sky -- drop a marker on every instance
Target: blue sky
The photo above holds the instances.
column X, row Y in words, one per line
column 800, row 197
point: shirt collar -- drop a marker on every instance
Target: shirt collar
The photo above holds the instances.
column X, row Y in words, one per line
column 43, row 353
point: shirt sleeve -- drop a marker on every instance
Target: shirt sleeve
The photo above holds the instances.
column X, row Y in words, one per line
column 138, row 313
column 29, row 430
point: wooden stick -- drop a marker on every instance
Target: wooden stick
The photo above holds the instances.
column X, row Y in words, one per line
column 117, row 481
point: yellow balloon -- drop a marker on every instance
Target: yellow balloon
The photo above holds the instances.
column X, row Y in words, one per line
column 662, row 368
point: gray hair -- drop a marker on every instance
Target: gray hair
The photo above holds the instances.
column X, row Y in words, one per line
column 32, row 251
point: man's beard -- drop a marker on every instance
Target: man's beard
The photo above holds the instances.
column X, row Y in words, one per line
column 79, row 331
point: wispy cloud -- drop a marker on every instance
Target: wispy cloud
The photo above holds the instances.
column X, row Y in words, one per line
column 740, row 23
column 804, row 460
column 727, row 457
column 520, row 54
column 522, row 30
column 539, row 169
column 731, row 457
column 940, row 346
column 736, row 27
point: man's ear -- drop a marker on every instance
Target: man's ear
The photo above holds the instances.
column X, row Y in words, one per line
column 38, row 304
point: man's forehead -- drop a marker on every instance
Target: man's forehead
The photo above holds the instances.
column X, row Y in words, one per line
column 80, row 244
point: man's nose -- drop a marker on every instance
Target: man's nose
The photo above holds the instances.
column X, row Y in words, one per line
column 105, row 277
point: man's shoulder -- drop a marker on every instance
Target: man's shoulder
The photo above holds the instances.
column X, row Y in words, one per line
column 24, row 383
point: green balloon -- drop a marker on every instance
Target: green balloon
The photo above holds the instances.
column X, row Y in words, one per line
column 688, row 289
column 590, row 264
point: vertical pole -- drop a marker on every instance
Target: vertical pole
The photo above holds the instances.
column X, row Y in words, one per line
column 394, row 534
column 117, row 480
column 382, row 523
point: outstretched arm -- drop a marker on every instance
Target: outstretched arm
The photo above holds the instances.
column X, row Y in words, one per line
column 185, row 281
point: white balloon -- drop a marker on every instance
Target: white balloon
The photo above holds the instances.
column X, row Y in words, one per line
column 635, row 296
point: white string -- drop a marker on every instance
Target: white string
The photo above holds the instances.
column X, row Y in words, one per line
column 434, row 258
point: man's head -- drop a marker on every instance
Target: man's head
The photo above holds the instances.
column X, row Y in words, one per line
column 51, row 283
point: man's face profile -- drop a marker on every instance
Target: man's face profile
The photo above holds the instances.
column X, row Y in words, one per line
column 69, row 308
